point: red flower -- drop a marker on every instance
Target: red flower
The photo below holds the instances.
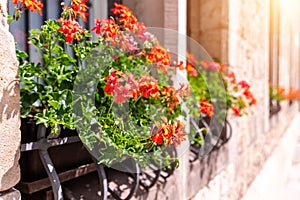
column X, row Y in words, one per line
column 191, row 69
column 297, row 94
column 108, row 27
column 294, row 93
column 236, row 111
column 157, row 138
column 169, row 94
column 168, row 133
column 179, row 135
column 244, row 85
column 180, row 66
column 80, row 8
column 160, row 56
column 250, row 97
column 253, row 101
column 32, row 5
column 126, row 18
column 71, row 29
column 281, row 92
column 112, row 81
column 121, row 93
column 223, row 67
column 206, row 107
column 231, row 77
column 132, row 86
column 148, row 87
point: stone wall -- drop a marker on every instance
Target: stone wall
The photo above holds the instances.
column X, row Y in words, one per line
column 241, row 39
column 237, row 32
column 9, row 107
column 289, row 51
column 208, row 25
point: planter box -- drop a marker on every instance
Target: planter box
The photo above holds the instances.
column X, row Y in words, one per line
column 218, row 135
column 68, row 159
column 64, row 157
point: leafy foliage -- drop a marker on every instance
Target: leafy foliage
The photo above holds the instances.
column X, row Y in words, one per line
column 115, row 91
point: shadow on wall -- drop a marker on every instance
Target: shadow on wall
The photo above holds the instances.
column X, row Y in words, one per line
column 10, row 175
column 208, row 167
column 201, row 172
column 8, row 108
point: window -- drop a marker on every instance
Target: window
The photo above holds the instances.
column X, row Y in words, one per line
column 274, row 42
column 274, row 51
column 51, row 10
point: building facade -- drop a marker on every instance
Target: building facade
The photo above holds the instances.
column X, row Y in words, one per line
column 259, row 40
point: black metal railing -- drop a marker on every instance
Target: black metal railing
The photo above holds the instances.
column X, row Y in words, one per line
column 213, row 140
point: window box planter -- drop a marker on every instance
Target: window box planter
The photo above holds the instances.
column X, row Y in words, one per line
column 47, row 160
column 274, row 107
column 218, row 134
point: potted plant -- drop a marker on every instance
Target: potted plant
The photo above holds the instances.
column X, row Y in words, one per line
column 115, row 92
column 278, row 94
column 217, row 92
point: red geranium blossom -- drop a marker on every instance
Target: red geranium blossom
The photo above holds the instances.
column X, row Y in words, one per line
column 121, row 93
column 231, row 77
column 71, row 29
column 126, row 18
column 168, row 133
column 191, row 69
column 169, row 95
column 160, row 56
column 236, row 111
column 112, row 81
column 206, row 107
column 80, row 8
column 244, row 85
column 180, row 65
column 32, row 5
column 250, row 96
column 293, row 94
column 108, row 27
column 148, row 87
column 157, row 138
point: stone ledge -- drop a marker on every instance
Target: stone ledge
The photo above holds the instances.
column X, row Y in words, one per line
column 11, row 194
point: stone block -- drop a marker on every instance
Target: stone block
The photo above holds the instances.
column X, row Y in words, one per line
column 9, row 110
column 10, row 195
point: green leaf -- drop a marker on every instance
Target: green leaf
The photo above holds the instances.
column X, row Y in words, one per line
column 10, row 19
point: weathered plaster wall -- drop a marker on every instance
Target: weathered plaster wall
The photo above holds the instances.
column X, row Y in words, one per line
column 9, row 107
